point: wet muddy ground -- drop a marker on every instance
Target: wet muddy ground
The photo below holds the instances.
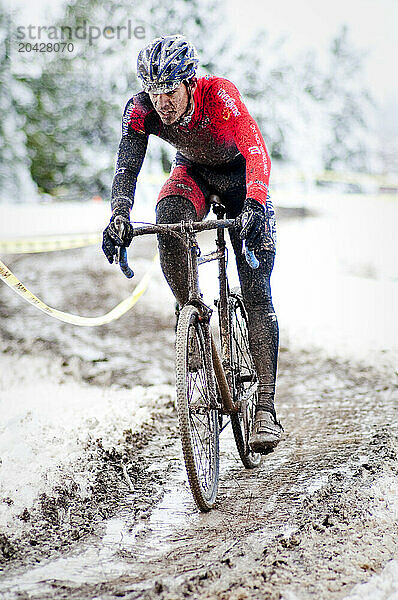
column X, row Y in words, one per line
column 319, row 516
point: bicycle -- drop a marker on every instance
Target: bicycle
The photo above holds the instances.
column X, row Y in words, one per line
column 208, row 385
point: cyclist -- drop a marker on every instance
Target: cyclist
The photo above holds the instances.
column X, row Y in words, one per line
column 220, row 150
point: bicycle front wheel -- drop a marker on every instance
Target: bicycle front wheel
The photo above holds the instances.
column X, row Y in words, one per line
column 244, row 380
column 198, row 419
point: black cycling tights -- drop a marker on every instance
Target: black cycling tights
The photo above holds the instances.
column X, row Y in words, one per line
column 255, row 286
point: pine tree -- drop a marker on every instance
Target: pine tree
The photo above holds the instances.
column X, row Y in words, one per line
column 348, row 106
column 15, row 179
column 63, row 118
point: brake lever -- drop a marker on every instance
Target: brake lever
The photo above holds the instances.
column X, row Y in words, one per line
column 121, row 252
column 251, row 258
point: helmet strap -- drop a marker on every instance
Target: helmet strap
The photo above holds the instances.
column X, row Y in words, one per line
column 190, row 84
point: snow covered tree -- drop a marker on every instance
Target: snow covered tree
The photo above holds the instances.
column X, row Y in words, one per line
column 311, row 116
column 15, row 179
column 348, row 106
column 63, row 123
column 73, row 113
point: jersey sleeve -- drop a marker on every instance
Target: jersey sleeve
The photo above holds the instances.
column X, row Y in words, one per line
column 235, row 119
column 131, row 153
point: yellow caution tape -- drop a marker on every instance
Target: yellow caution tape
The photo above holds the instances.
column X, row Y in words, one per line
column 9, row 278
column 48, row 243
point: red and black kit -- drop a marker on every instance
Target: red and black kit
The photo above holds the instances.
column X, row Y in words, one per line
column 220, row 150
column 219, row 146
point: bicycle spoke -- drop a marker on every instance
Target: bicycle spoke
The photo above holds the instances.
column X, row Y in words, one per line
column 193, row 385
column 199, row 436
column 204, row 447
column 244, row 381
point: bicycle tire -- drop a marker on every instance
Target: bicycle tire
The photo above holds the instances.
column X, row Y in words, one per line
column 243, row 379
column 198, row 421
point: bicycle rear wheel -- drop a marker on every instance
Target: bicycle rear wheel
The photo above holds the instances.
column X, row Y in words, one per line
column 198, row 419
column 244, row 380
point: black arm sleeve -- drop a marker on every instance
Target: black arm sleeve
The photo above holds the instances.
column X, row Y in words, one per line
column 131, row 154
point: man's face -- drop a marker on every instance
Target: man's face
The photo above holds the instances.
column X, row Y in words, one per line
column 170, row 106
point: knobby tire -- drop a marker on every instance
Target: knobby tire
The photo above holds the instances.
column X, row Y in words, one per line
column 198, row 419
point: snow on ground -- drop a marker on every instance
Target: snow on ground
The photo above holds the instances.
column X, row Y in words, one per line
column 380, row 587
column 48, row 418
column 46, row 422
column 335, row 287
column 335, row 281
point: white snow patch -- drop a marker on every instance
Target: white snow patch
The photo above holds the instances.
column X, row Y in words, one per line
column 384, row 499
column 335, row 281
column 380, row 587
column 46, row 423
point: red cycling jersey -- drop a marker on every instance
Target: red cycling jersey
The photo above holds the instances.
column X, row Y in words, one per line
column 218, row 129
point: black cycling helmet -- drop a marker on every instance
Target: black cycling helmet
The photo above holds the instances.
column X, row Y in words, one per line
column 165, row 63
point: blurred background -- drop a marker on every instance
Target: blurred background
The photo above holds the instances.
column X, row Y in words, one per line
column 317, row 76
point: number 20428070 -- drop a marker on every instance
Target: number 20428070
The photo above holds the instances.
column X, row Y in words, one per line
column 46, row 47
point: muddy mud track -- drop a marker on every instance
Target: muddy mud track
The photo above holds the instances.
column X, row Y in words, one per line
column 125, row 352
column 312, row 521
column 306, row 522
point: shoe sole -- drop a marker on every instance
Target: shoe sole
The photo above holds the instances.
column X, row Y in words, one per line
column 263, row 449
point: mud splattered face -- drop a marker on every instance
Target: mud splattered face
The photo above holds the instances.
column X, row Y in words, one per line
column 171, row 106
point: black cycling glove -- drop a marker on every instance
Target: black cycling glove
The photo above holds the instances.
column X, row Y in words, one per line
column 252, row 221
column 120, row 231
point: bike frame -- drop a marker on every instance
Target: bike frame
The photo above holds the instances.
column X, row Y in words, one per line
column 186, row 232
column 222, row 366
